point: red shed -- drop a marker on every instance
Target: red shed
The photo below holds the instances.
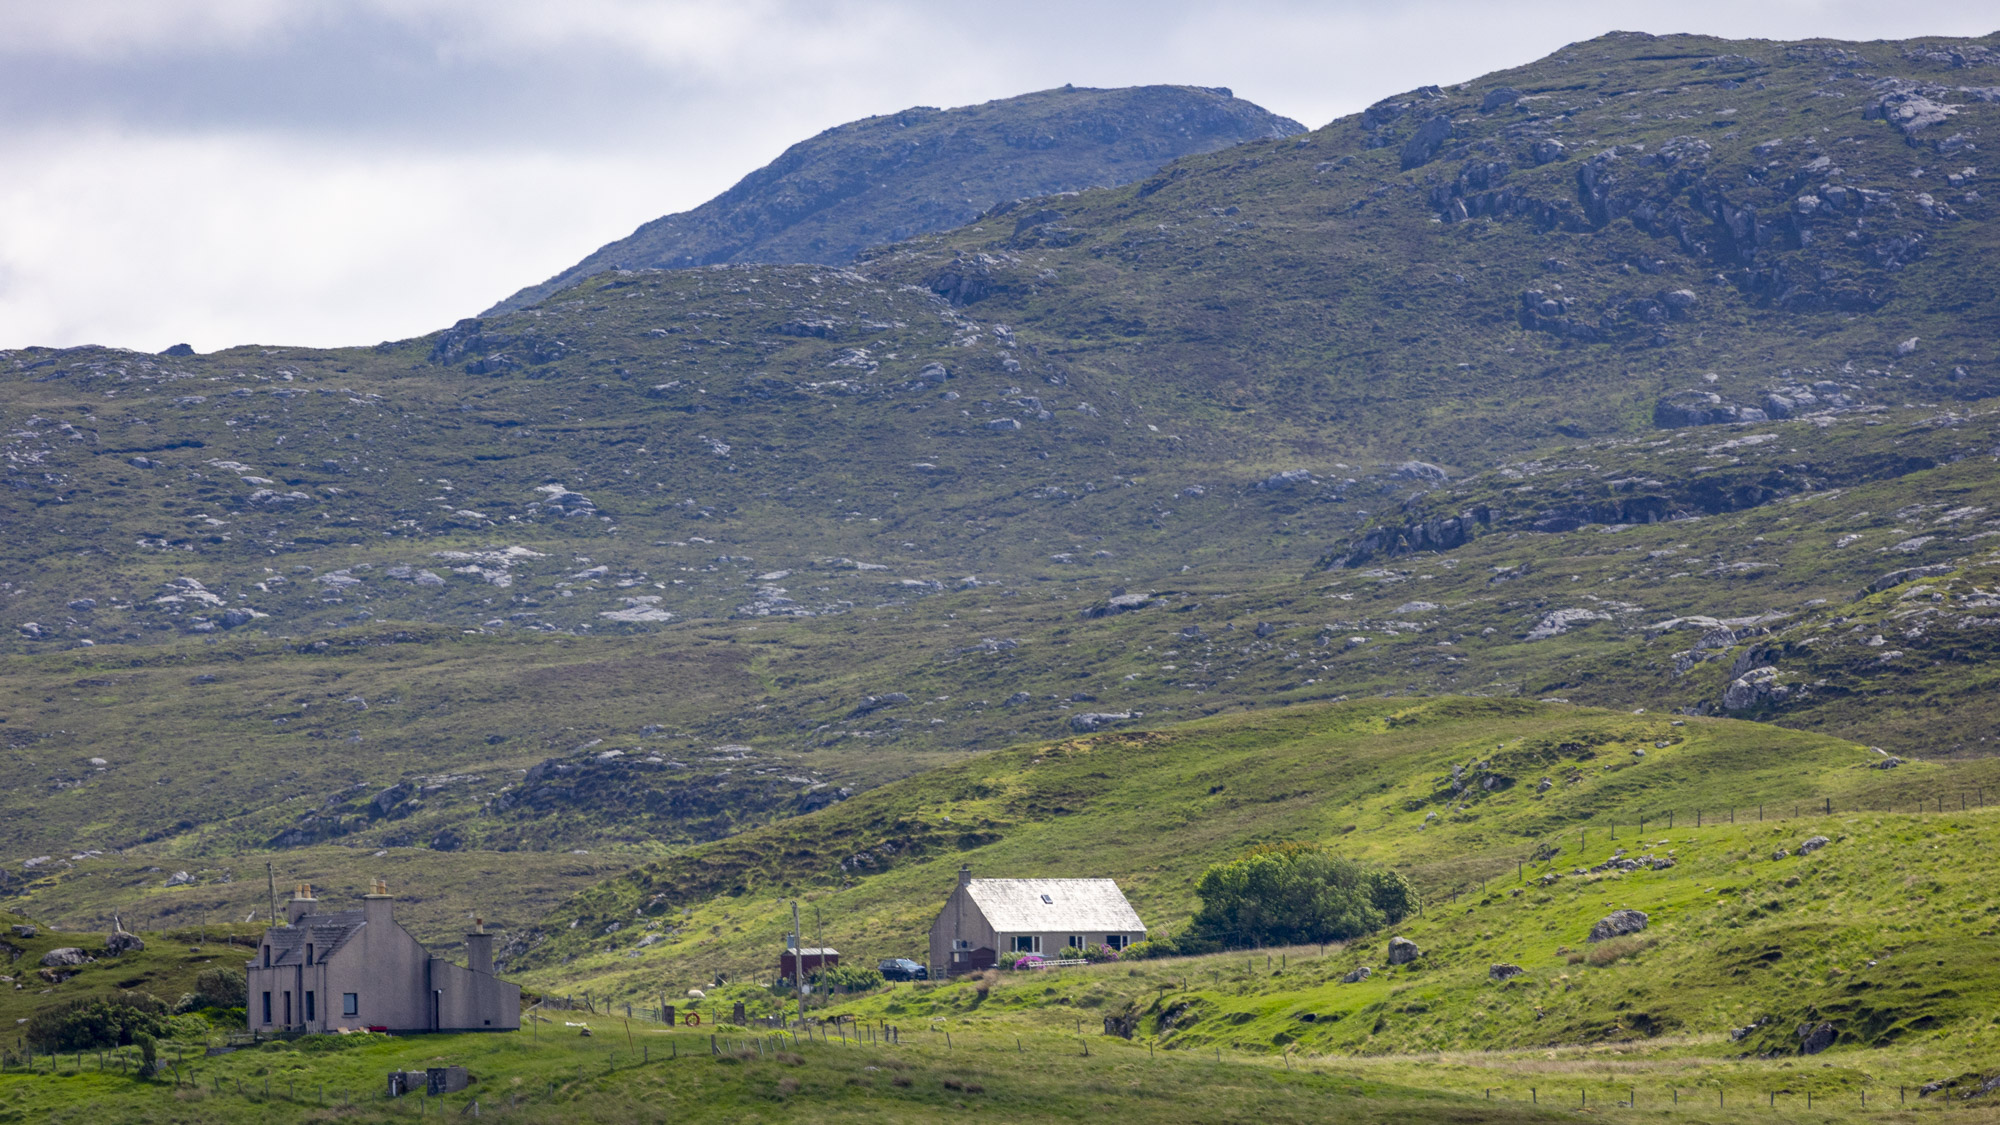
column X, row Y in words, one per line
column 811, row 958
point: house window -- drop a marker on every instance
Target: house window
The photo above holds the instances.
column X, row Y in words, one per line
column 288, row 1008
column 267, row 962
column 311, row 1012
column 961, row 943
column 267, row 1007
column 309, row 953
column 1027, row 943
column 350, row 1003
column 1116, row 941
column 1076, row 941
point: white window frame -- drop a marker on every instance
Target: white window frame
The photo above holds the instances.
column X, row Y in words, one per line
column 1076, row 942
column 1034, row 942
column 1116, row 941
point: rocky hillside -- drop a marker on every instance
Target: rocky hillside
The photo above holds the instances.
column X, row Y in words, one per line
column 1656, row 373
column 885, row 179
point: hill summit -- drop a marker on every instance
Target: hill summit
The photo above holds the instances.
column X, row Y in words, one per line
column 884, row 179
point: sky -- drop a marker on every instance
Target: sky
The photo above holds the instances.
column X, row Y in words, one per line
column 318, row 172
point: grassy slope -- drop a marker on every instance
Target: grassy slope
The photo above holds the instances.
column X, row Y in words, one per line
column 1211, row 352
column 1153, row 809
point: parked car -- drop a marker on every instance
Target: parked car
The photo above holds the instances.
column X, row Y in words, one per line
column 902, row 968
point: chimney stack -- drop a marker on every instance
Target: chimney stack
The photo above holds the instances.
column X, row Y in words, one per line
column 301, row 905
column 964, row 875
column 377, row 905
column 479, row 948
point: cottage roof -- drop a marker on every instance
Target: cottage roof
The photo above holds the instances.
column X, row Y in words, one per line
column 327, row 933
column 1054, row 905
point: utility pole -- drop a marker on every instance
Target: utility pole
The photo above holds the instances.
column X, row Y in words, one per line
column 271, row 888
column 798, row 964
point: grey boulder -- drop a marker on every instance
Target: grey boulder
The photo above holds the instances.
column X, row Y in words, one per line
column 1618, row 923
column 121, row 943
column 66, row 956
column 1402, row 951
column 1360, row 974
column 1504, row 972
column 1089, row 721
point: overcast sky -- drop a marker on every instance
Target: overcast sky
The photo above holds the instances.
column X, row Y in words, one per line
column 321, row 172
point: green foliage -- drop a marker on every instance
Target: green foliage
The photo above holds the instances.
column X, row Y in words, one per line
column 849, row 978
column 1294, row 894
column 99, row 1022
column 221, row 988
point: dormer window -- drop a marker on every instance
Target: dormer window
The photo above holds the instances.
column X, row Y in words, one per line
column 309, row 953
column 267, row 961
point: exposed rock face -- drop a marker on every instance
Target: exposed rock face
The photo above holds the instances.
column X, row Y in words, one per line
column 1897, row 577
column 877, row 702
column 1759, row 687
column 25, row 931
column 1816, row 1037
column 1425, row 142
column 1618, row 923
column 1814, row 844
column 1402, row 951
column 883, row 179
column 1096, row 720
column 121, row 943
column 1701, row 408
column 1441, row 533
column 1504, row 972
column 1562, row 621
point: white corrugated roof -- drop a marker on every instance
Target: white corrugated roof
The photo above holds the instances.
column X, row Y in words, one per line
column 1081, row 906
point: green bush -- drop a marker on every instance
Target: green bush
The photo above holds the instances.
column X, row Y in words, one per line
column 221, row 988
column 1147, row 950
column 849, row 978
column 1293, row 894
column 99, row 1022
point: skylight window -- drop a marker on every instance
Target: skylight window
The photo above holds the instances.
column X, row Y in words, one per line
column 1048, row 900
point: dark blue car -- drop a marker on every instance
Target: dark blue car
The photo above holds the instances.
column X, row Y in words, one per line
column 902, row 968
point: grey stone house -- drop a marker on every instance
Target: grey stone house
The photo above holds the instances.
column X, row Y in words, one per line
column 985, row 918
column 362, row 971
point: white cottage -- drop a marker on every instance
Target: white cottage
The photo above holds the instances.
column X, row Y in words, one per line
column 984, row 918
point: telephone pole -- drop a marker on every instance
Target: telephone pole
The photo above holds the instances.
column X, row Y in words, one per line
column 798, row 964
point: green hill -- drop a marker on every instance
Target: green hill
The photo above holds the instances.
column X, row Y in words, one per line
column 884, row 179
column 1449, row 792
column 705, row 548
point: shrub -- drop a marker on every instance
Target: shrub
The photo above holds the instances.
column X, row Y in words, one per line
column 1290, row 894
column 849, row 978
column 221, row 988
column 1070, row 953
column 99, row 1022
column 1147, row 950
column 1098, row 954
column 1009, row 959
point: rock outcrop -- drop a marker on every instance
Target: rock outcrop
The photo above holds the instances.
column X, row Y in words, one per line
column 1618, row 923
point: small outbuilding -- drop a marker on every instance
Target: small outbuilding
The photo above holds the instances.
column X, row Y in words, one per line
column 809, row 959
column 985, row 918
